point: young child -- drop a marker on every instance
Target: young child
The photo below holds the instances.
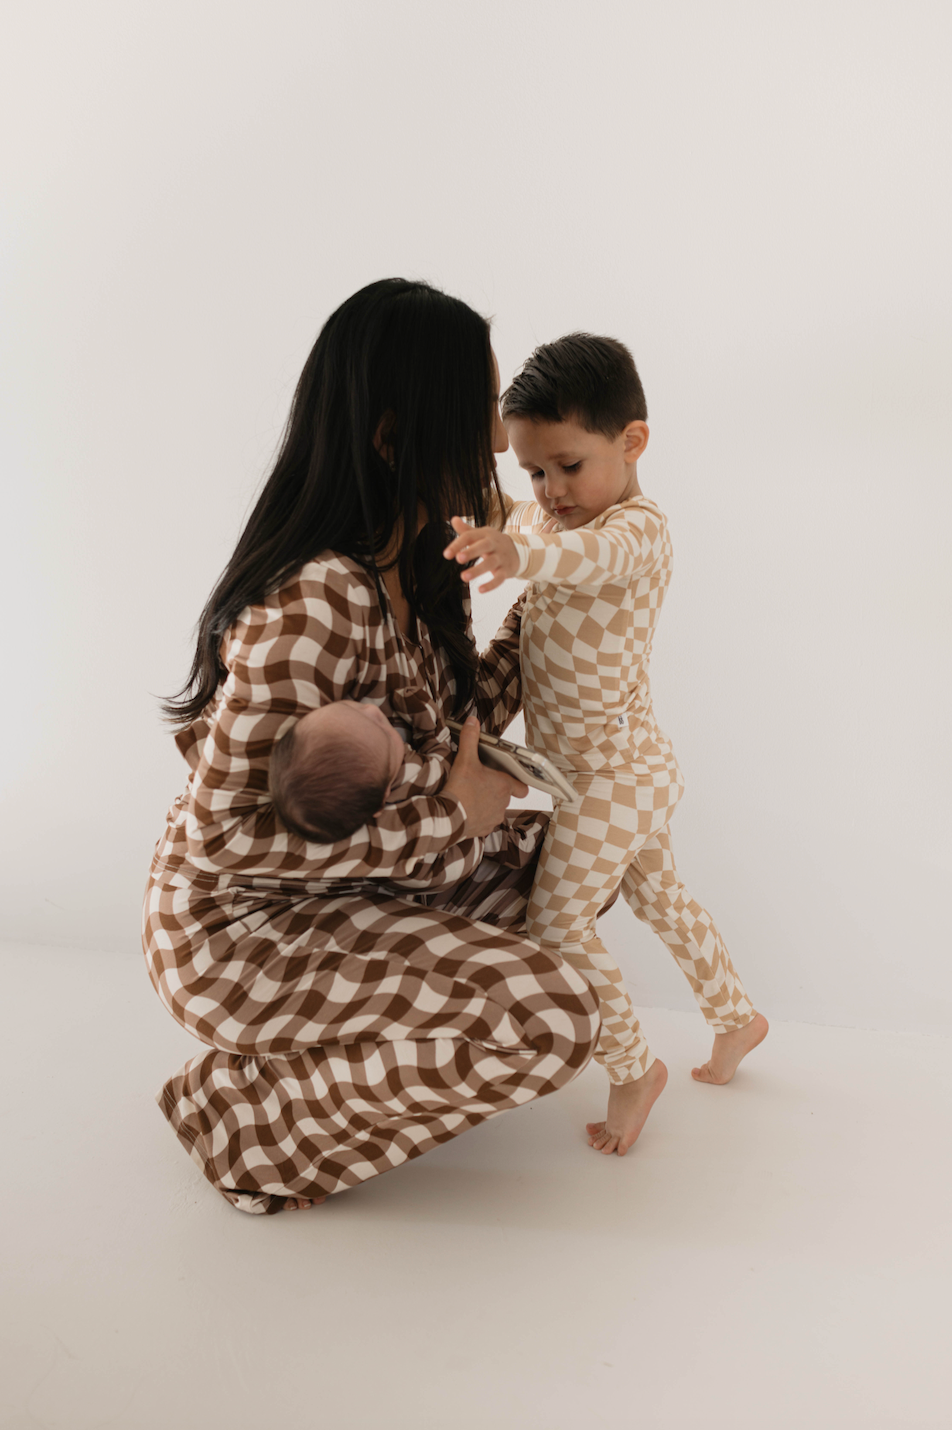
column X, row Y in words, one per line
column 598, row 572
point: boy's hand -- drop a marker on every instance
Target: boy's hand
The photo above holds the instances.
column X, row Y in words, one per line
column 494, row 552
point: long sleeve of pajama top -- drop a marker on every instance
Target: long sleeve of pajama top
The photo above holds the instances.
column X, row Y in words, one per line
column 324, row 637
column 592, row 604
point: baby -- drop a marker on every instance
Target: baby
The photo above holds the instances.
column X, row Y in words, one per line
column 334, row 769
column 338, row 765
column 577, row 422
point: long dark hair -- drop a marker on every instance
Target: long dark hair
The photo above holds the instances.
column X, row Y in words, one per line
column 406, row 355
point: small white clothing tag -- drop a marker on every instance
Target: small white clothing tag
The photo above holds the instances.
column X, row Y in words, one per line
column 621, row 721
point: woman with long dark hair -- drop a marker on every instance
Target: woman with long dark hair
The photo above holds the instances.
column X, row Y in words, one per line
column 368, row 999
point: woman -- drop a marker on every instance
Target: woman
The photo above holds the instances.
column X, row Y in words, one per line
column 365, row 1000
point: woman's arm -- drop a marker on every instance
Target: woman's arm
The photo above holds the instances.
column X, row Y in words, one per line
column 429, row 755
column 319, row 638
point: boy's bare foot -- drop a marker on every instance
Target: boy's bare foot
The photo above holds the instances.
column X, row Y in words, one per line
column 301, row 1204
column 729, row 1048
column 628, row 1106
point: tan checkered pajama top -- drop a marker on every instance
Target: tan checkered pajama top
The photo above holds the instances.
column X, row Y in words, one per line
column 360, row 1002
column 592, row 605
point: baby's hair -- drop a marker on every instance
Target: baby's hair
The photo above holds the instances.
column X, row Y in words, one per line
column 324, row 790
column 580, row 377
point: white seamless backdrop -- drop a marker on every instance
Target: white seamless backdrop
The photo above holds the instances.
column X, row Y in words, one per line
column 754, row 197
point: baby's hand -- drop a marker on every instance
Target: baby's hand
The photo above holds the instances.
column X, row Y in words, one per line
column 496, row 553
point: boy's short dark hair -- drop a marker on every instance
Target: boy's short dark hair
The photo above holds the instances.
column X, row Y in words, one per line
column 580, row 377
column 326, row 792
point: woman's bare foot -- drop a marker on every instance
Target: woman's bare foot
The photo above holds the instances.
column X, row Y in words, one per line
column 729, row 1048
column 628, row 1106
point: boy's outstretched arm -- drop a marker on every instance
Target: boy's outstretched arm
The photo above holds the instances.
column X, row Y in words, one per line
column 627, row 544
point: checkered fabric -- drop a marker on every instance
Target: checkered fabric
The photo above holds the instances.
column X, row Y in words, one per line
column 352, row 1034
column 655, row 893
column 321, row 637
column 366, row 1000
column 592, row 605
column 426, row 766
column 614, row 834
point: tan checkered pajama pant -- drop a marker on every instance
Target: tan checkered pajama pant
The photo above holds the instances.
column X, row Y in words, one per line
column 615, row 834
column 350, row 1034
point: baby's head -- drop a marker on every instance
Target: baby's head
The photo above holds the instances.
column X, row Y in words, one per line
column 577, row 422
column 333, row 770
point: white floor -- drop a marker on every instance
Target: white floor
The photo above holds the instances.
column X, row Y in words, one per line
column 774, row 1254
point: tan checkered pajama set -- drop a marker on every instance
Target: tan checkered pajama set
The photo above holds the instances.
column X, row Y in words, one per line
column 360, row 1002
column 592, row 605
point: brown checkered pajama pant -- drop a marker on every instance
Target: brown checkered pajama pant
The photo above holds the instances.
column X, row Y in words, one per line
column 350, row 1034
column 615, row 833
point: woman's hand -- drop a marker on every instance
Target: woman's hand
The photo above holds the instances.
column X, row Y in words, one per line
column 483, row 793
column 496, row 553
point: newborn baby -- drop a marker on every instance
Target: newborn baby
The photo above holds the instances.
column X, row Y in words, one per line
column 338, row 765
column 334, row 770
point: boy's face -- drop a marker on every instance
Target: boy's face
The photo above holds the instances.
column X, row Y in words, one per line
column 577, row 474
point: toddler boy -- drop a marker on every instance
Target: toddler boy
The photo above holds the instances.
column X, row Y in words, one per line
column 577, row 422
